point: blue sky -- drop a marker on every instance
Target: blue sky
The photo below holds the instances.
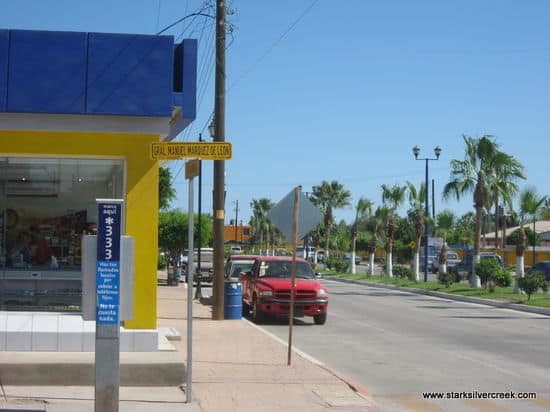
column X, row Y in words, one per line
column 351, row 88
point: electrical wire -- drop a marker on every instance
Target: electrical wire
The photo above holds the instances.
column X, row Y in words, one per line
column 274, row 44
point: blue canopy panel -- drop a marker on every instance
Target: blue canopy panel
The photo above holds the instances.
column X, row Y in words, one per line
column 98, row 74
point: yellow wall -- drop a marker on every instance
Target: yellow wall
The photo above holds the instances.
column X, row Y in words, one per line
column 141, row 200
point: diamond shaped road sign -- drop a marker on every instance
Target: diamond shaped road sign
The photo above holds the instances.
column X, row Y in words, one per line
column 282, row 215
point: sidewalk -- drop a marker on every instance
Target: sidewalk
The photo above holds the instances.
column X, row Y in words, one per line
column 236, row 367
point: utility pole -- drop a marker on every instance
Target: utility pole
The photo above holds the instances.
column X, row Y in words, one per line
column 236, row 217
column 219, row 165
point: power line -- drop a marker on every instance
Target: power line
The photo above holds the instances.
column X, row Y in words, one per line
column 274, row 44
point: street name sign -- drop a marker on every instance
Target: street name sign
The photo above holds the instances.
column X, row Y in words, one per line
column 196, row 150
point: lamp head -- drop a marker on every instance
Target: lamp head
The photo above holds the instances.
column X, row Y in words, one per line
column 212, row 128
column 437, row 151
column 416, row 151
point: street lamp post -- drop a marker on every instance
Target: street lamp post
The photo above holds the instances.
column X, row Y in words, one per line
column 416, row 152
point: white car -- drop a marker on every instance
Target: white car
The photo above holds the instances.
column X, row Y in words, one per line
column 452, row 260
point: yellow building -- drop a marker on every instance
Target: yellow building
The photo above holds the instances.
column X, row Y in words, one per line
column 78, row 115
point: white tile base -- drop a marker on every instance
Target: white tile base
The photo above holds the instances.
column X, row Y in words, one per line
column 60, row 332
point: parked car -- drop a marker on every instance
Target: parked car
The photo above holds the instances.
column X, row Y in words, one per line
column 206, row 271
column 267, row 288
column 321, row 256
column 465, row 266
column 452, row 261
column 433, row 259
column 307, row 253
column 237, row 264
column 235, row 250
column 543, row 266
column 347, row 256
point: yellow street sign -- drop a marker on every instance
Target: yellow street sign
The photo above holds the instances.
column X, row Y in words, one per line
column 196, row 150
column 191, row 168
column 412, row 244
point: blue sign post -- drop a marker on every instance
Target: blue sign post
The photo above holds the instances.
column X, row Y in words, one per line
column 107, row 341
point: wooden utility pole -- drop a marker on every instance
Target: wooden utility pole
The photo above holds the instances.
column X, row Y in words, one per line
column 219, row 165
column 297, row 191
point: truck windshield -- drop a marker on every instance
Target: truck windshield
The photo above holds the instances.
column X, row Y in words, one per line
column 281, row 269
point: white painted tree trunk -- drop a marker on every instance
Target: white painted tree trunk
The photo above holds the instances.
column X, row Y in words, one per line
column 443, row 268
column 417, row 266
column 520, row 272
column 475, row 280
column 389, row 265
column 371, row 264
column 352, row 263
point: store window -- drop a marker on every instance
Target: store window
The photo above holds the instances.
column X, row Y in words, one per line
column 46, row 205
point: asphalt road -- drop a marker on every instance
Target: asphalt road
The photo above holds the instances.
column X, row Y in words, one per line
column 400, row 345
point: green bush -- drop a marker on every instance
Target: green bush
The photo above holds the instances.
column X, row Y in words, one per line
column 446, row 278
column 532, row 282
column 403, row 272
column 492, row 274
column 337, row 264
column 503, row 277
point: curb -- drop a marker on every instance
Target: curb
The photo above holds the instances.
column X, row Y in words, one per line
column 146, row 369
column 460, row 298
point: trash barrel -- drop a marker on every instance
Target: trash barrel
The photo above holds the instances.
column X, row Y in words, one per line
column 233, row 305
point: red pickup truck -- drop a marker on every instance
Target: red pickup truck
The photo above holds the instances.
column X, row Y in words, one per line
column 266, row 290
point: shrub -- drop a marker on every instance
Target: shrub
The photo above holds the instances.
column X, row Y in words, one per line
column 403, row 272
column 532, row 282
column 337, row 264
column 492, row 275
column 503, row 277
column 446, row 278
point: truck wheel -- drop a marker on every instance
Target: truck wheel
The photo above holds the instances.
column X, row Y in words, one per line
column 320, row 319
column 257, row 315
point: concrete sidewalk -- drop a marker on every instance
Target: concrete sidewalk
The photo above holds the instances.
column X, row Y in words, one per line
column 236, row 367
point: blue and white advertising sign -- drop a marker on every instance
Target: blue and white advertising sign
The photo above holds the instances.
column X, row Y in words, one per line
column 108, row 263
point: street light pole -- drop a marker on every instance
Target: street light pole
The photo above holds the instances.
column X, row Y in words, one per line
column 236, row 218
column 416, row 152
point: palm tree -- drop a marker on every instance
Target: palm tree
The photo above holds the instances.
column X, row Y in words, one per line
column 531, row 204
column 393, row 197
column 505, row 171
column 524, row 200
column 476, row 173
column 417, row 215
column 375, row 224
column 330, row 196
column 445, row 222
column 362, row 210
column 260, row 207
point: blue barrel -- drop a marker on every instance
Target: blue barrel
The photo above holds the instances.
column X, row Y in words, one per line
column 233, row 304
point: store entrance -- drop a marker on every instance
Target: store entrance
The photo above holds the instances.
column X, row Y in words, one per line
column 46, row 205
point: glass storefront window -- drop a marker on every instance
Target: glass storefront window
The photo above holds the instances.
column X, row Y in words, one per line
column 46, row 205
